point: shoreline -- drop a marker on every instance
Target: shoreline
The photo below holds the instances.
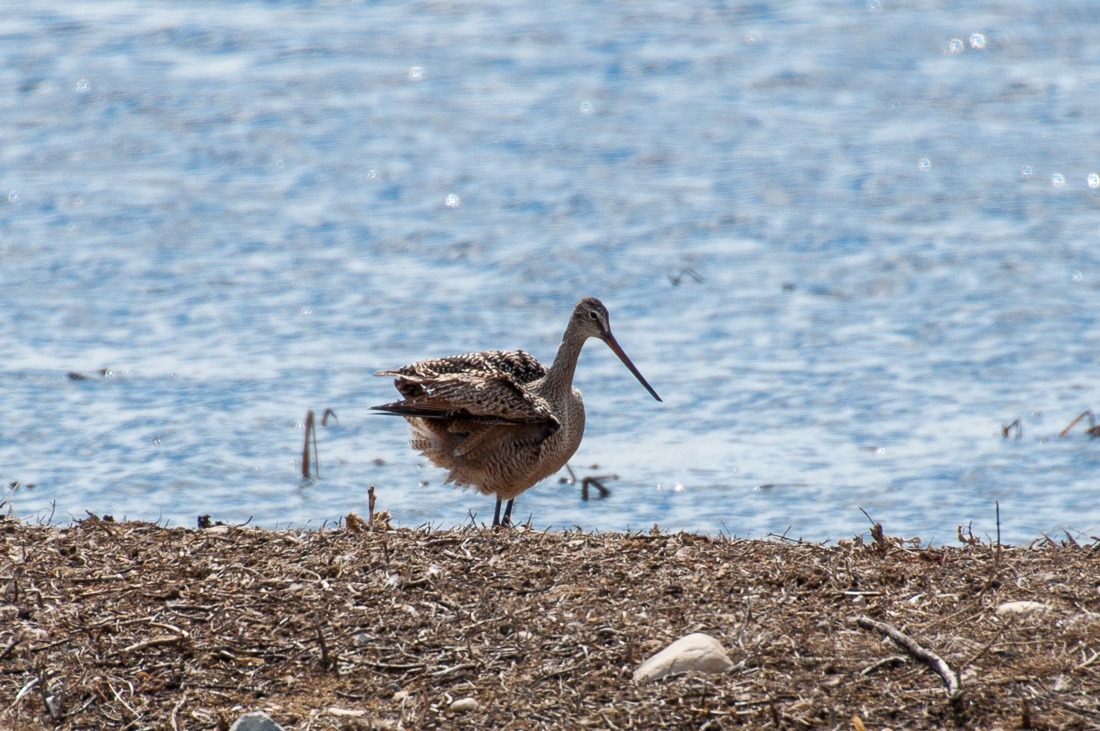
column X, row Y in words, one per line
column 363, row 626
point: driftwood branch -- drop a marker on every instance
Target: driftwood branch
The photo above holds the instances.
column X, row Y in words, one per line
column 918, row 652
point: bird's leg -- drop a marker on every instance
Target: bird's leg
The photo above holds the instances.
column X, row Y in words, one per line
column 508, row 513
column 496, row 514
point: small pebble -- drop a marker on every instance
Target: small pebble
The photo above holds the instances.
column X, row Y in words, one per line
column 255, row 721
column 1022, row 608
column 464, row 704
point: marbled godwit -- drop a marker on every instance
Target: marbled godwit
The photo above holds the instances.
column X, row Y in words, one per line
column 498, row 420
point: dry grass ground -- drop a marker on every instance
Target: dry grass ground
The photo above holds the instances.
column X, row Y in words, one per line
column 132, row 625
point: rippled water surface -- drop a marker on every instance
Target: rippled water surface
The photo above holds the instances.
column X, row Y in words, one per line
column 846, row 241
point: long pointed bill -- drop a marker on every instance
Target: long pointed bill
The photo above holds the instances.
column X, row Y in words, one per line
column 617, row 350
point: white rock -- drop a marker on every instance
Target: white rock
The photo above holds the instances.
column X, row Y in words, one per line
column 695, row 652
column 1022, row 608
column 255, row 721
column 464, row 704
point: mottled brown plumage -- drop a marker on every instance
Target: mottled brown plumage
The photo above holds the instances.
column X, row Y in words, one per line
column 501, row 421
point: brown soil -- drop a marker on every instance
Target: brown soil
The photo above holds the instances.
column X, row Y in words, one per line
column 132, row 625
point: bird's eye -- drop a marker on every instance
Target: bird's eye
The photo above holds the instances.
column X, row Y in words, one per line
column 593, row 314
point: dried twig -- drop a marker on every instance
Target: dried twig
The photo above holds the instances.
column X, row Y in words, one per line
column 1095, row 656
column 154, row 642
column 882, row 543
column 916, row 651
column 453, row 669
column 985, row 648
column 1093, row 429
column 744, row 622
column 997, row 504
column 8, row 648
column 676, row 278
column 777, row 717
column 588, row 481
column 326, row 661
column 884, row 662
column 311, row 433
column 175, row 716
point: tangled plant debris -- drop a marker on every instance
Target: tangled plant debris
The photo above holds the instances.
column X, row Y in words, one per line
column 134, row 625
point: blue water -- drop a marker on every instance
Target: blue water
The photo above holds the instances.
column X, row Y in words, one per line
column 241, row 210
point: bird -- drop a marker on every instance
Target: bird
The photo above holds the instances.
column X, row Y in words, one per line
column 501, row 421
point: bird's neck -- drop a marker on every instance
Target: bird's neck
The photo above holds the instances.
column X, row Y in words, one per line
column 559, row 378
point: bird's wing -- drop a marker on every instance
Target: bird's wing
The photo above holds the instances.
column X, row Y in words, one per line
column 484, row 397
column 520, row 366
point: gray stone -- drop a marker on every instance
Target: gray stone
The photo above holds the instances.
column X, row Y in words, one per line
column 255, row 721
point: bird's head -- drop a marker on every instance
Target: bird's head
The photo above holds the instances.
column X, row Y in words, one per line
column 590, row 318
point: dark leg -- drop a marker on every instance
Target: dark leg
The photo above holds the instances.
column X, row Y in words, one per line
column 496, row 513
column 507, row 512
